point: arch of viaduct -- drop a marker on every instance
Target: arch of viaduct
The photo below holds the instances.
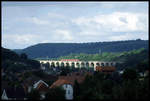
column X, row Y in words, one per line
column 77, row 64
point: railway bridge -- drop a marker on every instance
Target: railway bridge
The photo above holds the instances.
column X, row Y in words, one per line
column 76, row 63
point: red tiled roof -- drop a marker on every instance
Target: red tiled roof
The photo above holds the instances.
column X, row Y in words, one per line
column 42, row 87
column 105, row 68
column 72, row 78
column 70, row 60
column 69, row 79
column 60, row 82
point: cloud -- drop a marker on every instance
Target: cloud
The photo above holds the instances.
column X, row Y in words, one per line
column 122, row 19
column 126, row 36
column 113, row 26
column 121, row 37
column 37, row 21
column 21, row 40
column 63, row 34
column 116, row 22
column 56, row 15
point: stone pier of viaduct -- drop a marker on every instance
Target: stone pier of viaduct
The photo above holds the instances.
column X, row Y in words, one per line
column 76, row 63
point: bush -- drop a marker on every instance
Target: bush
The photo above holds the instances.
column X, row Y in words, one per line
column 34, row 95
column 129, row 74
column 57, row 93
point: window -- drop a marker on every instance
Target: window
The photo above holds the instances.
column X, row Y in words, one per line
column 66, row 86
column 68, row 91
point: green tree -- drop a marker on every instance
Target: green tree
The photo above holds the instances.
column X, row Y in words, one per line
column 142, row 66
column 76, row 89
column 57, row 93
column 23, row 56
column 107, row 86
column 143, row 89
column 129, row 74
column 127, row 91
column 34, row 95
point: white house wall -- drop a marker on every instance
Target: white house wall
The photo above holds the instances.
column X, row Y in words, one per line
column 69, row 91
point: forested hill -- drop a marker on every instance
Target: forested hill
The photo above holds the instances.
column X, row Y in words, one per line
column 54, row 50
column 130, row 59
column 17, row 63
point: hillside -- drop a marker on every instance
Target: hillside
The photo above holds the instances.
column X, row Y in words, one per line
column 16, row 63
column 129, row 59
column 54, row 50
column 107, row 56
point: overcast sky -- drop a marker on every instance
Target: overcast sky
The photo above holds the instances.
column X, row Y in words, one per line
column 29, row 23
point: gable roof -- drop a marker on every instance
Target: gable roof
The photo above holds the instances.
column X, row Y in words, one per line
column 4, row 95
column 42, row 87
column 69, row 79
column 36, row 85
column 60, row 82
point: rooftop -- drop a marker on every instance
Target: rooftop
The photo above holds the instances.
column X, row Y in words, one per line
column 70, row 79
column 105, row 68
column 60, row 82
column 40, row 82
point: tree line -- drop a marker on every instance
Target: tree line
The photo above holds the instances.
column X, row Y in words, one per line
column 55, row 50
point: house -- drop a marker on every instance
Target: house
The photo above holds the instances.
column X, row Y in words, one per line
column 141, row 74
column 3, row 91
column 39, row 83
column 105, row 69
column 4, row 95
column 36, row 83
column 29, row 82
column 144, row 74
column 42, row 87
column 121, row 72
column 67, row 83
column 43, row 67
column 32, row 81
column 13, row 93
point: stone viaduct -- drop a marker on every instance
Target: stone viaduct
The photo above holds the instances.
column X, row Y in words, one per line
column 77, row 63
